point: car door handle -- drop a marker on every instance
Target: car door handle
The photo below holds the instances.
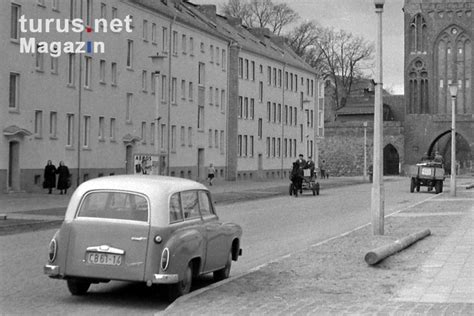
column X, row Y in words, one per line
column 139, row 238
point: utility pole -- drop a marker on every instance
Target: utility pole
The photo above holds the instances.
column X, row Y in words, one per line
column 377, row 201
column 453, row 90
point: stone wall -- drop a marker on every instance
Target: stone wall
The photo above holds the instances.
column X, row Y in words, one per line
column 342, row 148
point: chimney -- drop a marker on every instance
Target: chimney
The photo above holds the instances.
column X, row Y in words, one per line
column 209, row 10
column 261, row 32
column 234, row 21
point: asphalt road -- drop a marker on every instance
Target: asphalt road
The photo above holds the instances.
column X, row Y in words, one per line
column 272, row 227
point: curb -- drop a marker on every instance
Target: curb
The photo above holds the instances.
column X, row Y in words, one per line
column 189, row 296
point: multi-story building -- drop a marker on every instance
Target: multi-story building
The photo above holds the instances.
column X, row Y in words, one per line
column 178, row 87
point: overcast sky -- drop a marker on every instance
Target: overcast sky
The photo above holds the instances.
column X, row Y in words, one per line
column 359, row 18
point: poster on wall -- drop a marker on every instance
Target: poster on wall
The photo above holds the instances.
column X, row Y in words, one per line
column 147, row 164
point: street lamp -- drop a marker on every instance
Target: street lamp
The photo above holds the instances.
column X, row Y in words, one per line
column 453, row 90
column 365, row 151
column 157, row 61
column 377, row 201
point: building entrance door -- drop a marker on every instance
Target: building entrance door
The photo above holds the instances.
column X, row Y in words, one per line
column 391, row 160
column 200, row 164
column 129, row 159
column 14, row 166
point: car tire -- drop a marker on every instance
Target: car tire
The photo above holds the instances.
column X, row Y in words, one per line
column 412, row 185
column 78, row 287
column 439, row 187
column 224, row 273
column 182, row 287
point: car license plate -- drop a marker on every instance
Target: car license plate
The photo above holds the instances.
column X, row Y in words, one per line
column 426, row 171
column 103, row 258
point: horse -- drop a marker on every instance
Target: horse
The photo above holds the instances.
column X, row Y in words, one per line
column 296, row 177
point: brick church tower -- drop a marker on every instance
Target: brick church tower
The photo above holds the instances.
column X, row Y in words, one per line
column 439, row 51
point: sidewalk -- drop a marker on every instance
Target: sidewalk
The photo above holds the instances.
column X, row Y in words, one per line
column 433, row 276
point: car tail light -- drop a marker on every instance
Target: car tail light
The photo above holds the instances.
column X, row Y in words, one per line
column 53, row 250
column 165, row 258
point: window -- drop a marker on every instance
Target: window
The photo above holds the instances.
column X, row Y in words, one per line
column 190, row 91
column 88, row 72
column 210, row 138
column 114, row 73
column 224, row 60
column 144, row 81
column 217, row 55
column 101, row 134
column 246, row 69
column 53, row 124
column 71, row 69
column 176, row 215
column 274, row 77
column 279, row 78
column 296, row 83
column 174, row 90
column 72, row 9
column 190, row 136
column 211, row 51
column 217, row 97
column 128, row 109
column 274, row 113
column 173, row 138
column 241, row 67
column 260, row 127
column 162, row 135
column 164, row 39
column 239, row 145
column 183, row 43
column 222, row 140
column 240, row 110
column 153, row 33
column 201, row 73
column 88, row 12
column 268, row 146
column 14, row 91
column 102, row 71
column 70, row 130
column 286, row 114
column 222, row 101
column 14, row 24
column 216, row 138
column 183, row 89
column 175, row 43
column 245, row 146
column 87, row 128
column 251, row 147
column 183, row 136
column 164, row 92
column 260, row 91
column 211, row 91
column 103, row 11
column 38, row 124
column 152, row 133
column 54, row 65
column 200, row 122
column 278, row 150
column 129, row 54
column 191, row 46
column 190, row 203
column 143, row 132
column 269, row 111
column 145, row 30
column 252, row 70
column 202, row 47
column 252, row 108
column 205, row 204
column 269, row 75
column 39, row 61
column 114, row 13
column 291, row 115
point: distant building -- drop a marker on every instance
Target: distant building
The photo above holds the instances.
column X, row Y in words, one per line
column 438, row 52
column 215, row 92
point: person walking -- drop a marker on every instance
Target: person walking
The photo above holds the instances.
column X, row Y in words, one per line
column 63, row 178
column 49, row 176
column 211, row 173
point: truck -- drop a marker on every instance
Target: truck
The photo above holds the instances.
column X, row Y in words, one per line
column 429, row 174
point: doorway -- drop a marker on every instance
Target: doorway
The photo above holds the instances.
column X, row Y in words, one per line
column 129, row 159
column 200, row 164
column 14, row 166
column 391, row 160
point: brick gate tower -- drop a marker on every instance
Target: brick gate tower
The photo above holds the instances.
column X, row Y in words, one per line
column 439, row 37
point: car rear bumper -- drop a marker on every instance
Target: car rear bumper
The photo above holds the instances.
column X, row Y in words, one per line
column 165, row 278
column 51, row 270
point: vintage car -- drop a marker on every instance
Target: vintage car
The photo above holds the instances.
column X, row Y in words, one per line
column 429, row 174
column 152, row 229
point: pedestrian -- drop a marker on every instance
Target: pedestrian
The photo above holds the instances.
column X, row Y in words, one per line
column 310, row 166
column 301, row 162
column 49, row 176
column 64, row 178
column 322, row 168
column 211, row 173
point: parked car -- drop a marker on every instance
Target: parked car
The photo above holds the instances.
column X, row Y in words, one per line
column 152, row 229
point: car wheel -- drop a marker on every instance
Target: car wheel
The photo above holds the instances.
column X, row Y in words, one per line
column 182, row 287
column 224, row 273
column 78, row 287
column 439, row 187
column 412, row 185
column 417, row 187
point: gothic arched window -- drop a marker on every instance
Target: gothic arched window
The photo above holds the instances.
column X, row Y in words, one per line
column 417, row 34
column 453, row 49
column 418, row 88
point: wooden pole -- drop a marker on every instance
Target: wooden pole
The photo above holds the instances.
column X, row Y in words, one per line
column 376, row 255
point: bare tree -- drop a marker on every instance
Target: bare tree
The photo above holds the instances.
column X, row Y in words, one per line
column 343, row 55
column 261, row 13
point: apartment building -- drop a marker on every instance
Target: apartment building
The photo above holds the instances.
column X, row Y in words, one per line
column 177, row 89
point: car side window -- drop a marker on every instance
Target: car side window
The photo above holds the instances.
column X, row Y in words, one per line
column 190, row 203
column 205, row 204
column 176, row 214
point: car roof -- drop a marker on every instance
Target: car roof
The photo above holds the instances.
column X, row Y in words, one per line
column 148, row 184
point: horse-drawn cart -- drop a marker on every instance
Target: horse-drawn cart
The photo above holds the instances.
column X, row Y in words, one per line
column 308, row 182
column 429, row 174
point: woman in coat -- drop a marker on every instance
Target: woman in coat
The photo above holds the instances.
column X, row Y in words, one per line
column 63, row 179
column 49, row 176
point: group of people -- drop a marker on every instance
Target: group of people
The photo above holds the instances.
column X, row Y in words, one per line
column 297, row 172
column 64, row 177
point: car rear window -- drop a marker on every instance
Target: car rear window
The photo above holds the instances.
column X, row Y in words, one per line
column 115, row 205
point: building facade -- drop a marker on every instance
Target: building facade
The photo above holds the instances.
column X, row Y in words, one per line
column 439, row 52
column 177, row 91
